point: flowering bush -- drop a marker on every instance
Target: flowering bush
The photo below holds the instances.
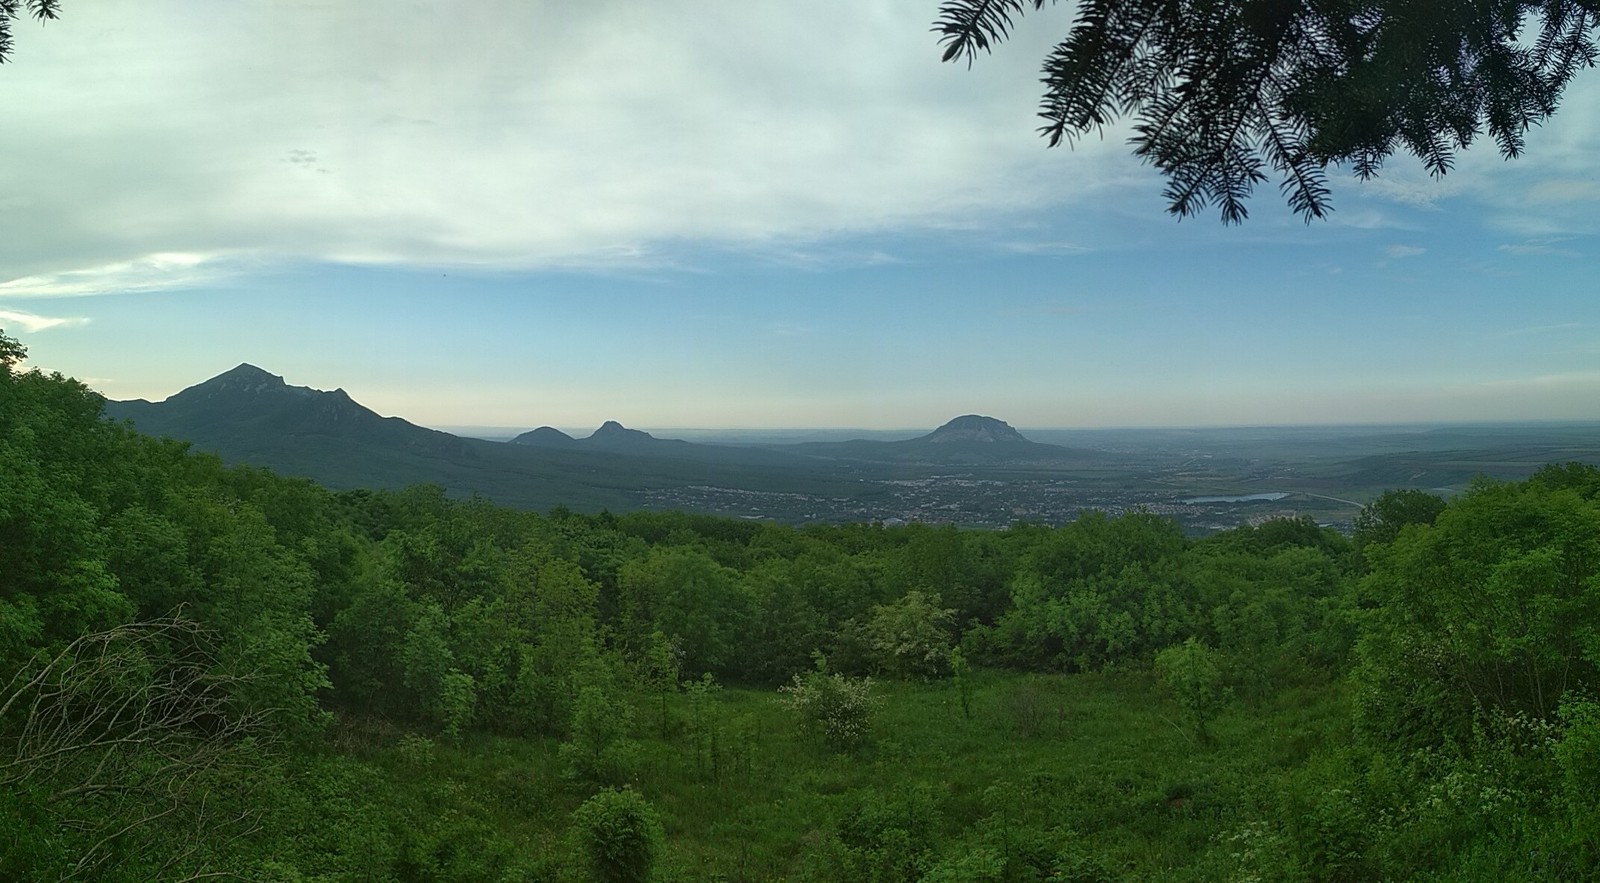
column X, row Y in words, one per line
column 835, row 708
column 911, row 637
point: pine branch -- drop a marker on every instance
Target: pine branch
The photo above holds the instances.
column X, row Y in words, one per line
column 1352, row 81
column 967, row 26
column 1088, row 69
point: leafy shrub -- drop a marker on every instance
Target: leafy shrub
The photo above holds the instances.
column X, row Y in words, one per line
column 1074, row 865
column 415, row 749
column 1190, row 671
column 599, row 750
column 458, row 694
column 1577, row 756
column 619, row 835
column 890, row 838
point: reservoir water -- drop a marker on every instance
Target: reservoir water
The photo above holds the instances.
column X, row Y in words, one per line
column 1247, row 498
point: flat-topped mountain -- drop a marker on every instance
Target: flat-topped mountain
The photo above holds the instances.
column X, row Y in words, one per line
column 545, row 437
column 974, row 428
column 968, row 440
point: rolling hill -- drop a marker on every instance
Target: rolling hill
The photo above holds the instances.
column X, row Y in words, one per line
column 249, row 415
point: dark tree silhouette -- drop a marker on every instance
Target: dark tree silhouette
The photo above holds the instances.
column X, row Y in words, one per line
column 11, row 10
column 1220, row 92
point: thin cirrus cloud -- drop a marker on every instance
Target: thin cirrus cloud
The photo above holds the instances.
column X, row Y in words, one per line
column 33, row 322
column 150, row 273
column 1540, row 329
column 1540, row 248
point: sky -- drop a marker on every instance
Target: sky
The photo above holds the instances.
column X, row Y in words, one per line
column 694, row 213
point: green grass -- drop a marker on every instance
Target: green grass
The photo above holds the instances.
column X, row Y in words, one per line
column 1103, row 760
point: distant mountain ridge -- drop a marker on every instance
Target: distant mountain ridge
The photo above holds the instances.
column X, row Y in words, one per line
column 545, row 436
column 974, row 428
column 611, row 436
column 968, row 440
column 246, row 405
column 249, row 415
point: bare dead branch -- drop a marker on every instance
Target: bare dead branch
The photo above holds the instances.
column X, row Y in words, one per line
column 127, row 735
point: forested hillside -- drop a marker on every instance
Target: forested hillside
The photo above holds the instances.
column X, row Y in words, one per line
column 218, row 671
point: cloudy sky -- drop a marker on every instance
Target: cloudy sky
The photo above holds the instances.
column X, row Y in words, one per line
column 695, row 213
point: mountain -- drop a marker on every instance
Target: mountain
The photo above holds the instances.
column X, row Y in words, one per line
column 968, row 440
column 611, row 436
column 247, row 408
column 545, row 437
column 248, row 415
column 973, row 428
column 615, row 439
column 615, row 435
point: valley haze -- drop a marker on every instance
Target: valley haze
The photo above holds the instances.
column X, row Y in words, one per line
column 974, row 470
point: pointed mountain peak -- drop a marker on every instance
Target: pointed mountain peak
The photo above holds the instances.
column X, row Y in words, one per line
column 246, row 380
column 245, row 369
column 613, row 429
column 247, row 374
column 250, row 404
column 250, row 386
column 974, row 428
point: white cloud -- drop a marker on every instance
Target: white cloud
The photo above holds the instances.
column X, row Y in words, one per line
column 33, row 322
column 1575, row 380
column 504, row 135
column 511, row 134
column 1402, row 182
column 1045, row 248
column 1564, row 190
column 150, row 273
column 1551, row 189
column 1540, row 248
column 1394, row 253
column 1540, row 329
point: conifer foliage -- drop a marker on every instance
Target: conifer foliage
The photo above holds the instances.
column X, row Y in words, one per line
column 1223, row 92
column 11, row 10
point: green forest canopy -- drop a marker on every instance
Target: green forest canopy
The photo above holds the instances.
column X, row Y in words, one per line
column 172, row 630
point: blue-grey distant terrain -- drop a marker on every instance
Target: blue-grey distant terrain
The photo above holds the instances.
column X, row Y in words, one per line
column 973, row 470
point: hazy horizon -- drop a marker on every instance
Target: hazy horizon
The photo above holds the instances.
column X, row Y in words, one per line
column 561, row 214
column 581, row 431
